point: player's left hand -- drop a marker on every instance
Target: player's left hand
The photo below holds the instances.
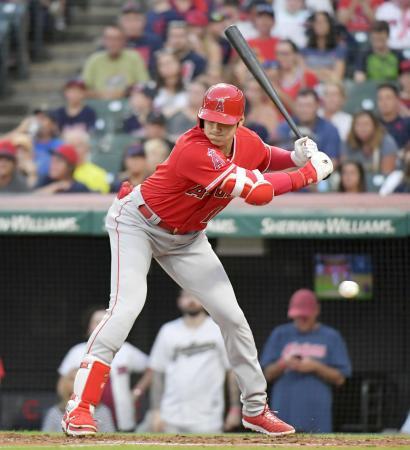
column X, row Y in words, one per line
column 303, row 151
column 233, row 419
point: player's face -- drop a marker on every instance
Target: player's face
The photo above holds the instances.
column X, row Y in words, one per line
column 220, row 134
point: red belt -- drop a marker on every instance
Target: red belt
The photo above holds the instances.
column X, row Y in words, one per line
column 148, row 214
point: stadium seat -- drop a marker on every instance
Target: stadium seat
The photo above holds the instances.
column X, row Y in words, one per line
column 108, row 151
column 360, row 96
column 4, row 56
column 110, row 114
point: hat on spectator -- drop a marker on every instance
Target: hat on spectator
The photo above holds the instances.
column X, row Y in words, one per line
column 196, row 18
column 156, row 118
column 67, row 152
column 303, row 303
column 148, row 89
column 132, row 7
column 8, row 149
column 405, row 66
column 136, row 149
column 264, row 9
column 75, row 82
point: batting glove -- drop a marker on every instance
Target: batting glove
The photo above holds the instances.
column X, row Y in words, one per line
column 304, row 149
column 318, row 168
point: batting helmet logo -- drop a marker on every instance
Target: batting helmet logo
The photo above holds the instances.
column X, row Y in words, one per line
column 220, row 105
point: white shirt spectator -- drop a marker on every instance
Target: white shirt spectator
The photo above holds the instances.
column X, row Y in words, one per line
column 128, row 359
column 342, row 121
column 311, row 5
column 194, row 362
column 170, row 104
column 399, row 23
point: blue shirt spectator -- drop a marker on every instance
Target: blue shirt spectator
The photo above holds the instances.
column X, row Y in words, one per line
column 42, row 154
column 304, row 359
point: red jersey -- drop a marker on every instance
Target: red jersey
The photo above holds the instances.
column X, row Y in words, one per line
column 184, row 190
column 264, row 48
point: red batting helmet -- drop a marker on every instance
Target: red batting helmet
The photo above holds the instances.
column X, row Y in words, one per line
column 223, row 103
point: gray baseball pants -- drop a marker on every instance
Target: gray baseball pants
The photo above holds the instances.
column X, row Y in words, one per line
column 191, row 262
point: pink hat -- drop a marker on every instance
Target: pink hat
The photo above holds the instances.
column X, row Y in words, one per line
column 303, row 303
column 196, row 18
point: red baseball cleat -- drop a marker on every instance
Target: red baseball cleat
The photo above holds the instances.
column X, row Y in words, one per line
column 267, row 423
column 78, row 419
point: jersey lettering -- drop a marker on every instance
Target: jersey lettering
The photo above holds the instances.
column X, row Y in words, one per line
column 197, row 191
column 212, row 214
column 216, row 159
column 219, row 193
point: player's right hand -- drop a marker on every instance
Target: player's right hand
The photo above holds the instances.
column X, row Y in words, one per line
column 318, row 168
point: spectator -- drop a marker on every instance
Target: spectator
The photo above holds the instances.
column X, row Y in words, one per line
column 369, row 144
column 380, row 63
column 159, row 16
column 184, row 7
column 190, row 365
column 304, row 359
column 397, row 14
column 352, row 177
column 86, row 172
column 53, row 416
column 156, row 151
column 233, row 16
column 215, row 33
column 320, row 130
column 291, row 20
column 141, row 104
column 289, row 73
column 117, row 393
column 171, row 96
column 11, row 181
column 260, row 110
column 357, row 15
column 60, row 174
column 133, row 21
column 178, row 43
column 75, row 112
column 108, row 73
column 388, row 104
column 333, row 99
column 264, row 45
column 25, row 158
column 135, row 167
column 399, row 180
column 187, row 118
column 323, row 54
column 155, row 128
column 405, row 87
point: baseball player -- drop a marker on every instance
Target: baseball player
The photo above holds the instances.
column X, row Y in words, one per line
column 165, row 217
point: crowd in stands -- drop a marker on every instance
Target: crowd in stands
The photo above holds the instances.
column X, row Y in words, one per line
column 342, row 68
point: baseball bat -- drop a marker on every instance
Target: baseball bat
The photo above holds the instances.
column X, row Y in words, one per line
column 248, row 57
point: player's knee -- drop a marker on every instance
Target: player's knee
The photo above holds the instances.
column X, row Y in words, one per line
column 234, row 320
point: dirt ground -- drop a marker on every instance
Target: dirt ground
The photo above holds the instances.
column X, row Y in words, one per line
column 303, row 440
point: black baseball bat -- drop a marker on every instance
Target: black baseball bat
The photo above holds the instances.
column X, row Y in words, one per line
column 248, row 57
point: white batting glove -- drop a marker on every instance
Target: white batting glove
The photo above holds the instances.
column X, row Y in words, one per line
column 303, row 151
column 322, row 164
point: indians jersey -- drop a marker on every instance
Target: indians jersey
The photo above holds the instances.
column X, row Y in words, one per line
column 185, row 189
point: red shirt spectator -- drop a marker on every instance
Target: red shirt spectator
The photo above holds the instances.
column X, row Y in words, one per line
column 357, row 15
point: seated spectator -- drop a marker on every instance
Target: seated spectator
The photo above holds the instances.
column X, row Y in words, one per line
column 405, row 87
column 156, row 152
column 323, row 54
column 352, row 177
column 25, row 158
column 155, row 128
column 369, row 144
column 264, row 45
column 178, row 43
column 388, row 104
column 357, row 15
column 141, row 104
column 187, row 118
column 184, row 7
column 75, row 112
column 53, row 416
column 305, row 359
column 11, row 180
column 397, row 14
column 320, row 5
column 45, row 138
column 134, row 167
column 110, row 72
column 233, row 14
column 260, row 110
column 86, row 172
column 399, row 180
column 333, row 99
column 380, row 63
column 60, row 174
column 171, row 96
column 215, row 33
column 323, row 132
column 159, row 16
column 289, row 74
column 133, row 20
column 291, row 20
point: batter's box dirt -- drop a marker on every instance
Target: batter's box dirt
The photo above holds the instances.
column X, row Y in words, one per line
column 15, row 439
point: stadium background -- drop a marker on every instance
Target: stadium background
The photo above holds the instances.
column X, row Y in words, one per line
column 42, row 302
